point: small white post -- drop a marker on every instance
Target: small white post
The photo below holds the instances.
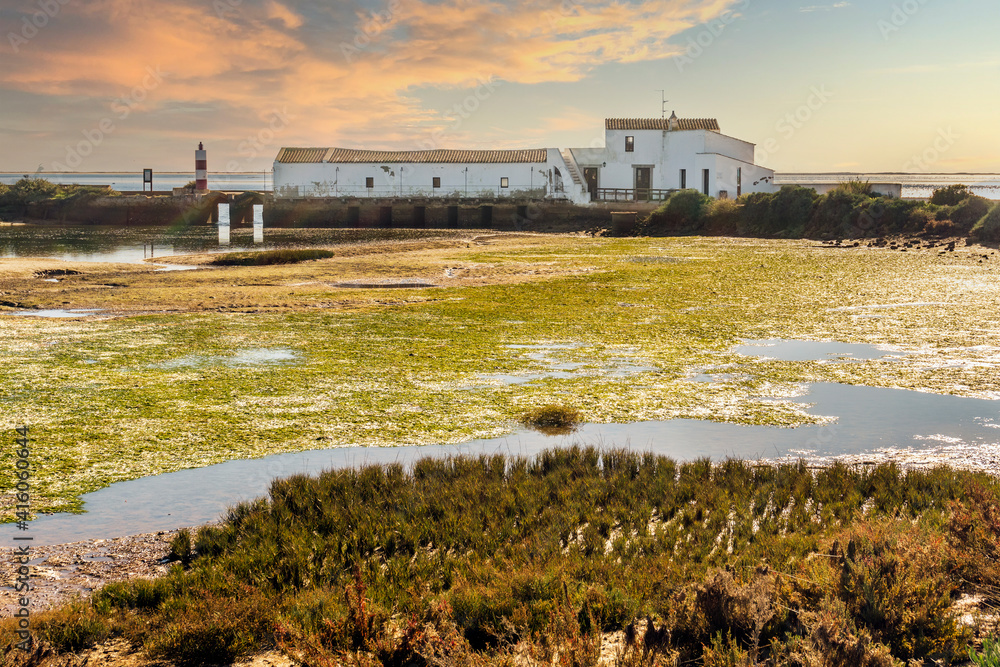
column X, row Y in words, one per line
column 258, row 223
column 223, row 224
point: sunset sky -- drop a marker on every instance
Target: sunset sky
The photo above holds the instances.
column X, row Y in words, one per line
column 860, row 85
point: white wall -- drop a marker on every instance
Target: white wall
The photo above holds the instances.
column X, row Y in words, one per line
column 401, row 180
column 666, row 153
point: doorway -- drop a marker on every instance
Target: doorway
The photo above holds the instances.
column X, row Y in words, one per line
column 590, row 176
column 643, row 181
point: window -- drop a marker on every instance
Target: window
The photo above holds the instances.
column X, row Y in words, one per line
column 705, row 174
column 504, row 182
column 629, row 144
column 370, row 182
column 739, row 181
column 436, row 182
column 684, row 179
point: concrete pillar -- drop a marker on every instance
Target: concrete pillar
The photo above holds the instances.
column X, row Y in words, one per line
column 223, row 224
column 258, row 223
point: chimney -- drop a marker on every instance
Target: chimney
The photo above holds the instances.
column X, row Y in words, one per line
column 672, row 122
column 200, row 169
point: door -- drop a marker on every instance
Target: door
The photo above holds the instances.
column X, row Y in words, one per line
column 643, row 180
column 590, row 175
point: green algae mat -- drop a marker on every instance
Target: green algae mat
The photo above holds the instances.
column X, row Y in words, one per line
column 199, row 367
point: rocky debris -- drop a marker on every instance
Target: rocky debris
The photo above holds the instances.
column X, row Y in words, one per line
column 60, row 572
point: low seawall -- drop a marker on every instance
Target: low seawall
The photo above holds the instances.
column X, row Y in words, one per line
column 147, row 211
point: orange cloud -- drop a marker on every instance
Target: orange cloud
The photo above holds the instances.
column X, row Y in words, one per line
column 340, row 73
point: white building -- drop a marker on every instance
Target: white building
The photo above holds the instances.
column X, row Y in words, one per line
column 643, row 159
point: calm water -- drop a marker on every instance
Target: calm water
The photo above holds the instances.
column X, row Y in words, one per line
column 867, row 420
column 914, row 185
column 162, row 181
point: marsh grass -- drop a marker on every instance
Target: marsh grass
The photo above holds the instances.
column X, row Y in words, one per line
column 729, row 563
column 270, row 257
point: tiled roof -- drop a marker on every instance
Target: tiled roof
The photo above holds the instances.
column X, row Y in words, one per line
column 290, row 155
column 348, row 155
column 661, row 124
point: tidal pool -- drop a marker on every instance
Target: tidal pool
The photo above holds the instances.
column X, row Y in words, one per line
column 58, row 312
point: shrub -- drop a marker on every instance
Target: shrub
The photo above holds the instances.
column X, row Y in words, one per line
column 269, row 257
column 940, row 228
column 893, row 582
column 987, row 230
column 723, row 217
column 968, row 212
column 836, row 214
column 951, row 195
column 855, row 186
column 29, row 190
column 790, row 210
column 683, row 213
column 782, row 214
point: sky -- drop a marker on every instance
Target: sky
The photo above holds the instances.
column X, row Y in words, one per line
column 859, row 85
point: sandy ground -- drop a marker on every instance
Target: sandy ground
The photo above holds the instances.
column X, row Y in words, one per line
column 332, row 283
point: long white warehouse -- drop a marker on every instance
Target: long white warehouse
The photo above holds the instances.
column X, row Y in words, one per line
column 643, row 159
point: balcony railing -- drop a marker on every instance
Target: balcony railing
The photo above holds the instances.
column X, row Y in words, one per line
column 632, row 194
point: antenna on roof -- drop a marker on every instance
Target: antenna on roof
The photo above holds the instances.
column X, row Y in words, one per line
column 663, row 103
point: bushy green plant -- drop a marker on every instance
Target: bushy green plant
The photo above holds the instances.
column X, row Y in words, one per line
column 683, row 213
column 782, row 214
column 791, row 208
column 987, row 230
column 990, row 656
column 856, row 186
column 837, row 215
column 723, row 217
column 951, row 195
column 30, row 190
column 966, row 213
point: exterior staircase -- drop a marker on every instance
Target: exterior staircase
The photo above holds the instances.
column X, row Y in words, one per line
column 574, row 172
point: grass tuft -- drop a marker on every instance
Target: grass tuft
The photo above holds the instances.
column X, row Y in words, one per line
column 552, row 416
column 270, row 257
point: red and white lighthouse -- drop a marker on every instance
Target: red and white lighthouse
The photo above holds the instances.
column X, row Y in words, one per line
column 200, row 169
